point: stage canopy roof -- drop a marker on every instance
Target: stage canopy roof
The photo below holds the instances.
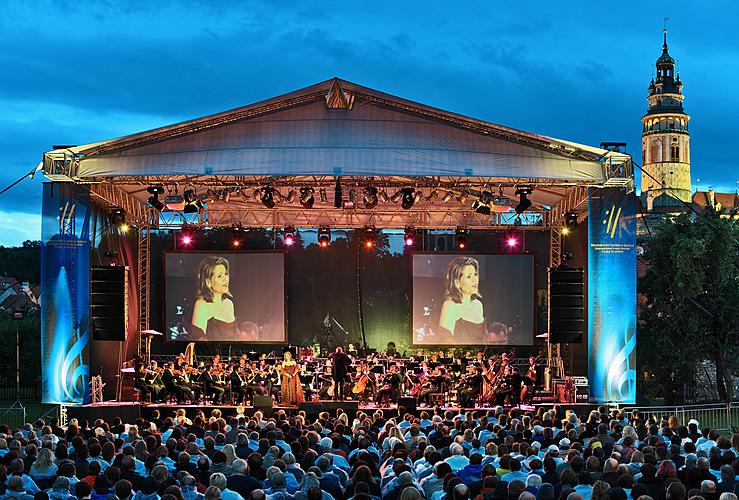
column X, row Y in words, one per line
column 338, row 129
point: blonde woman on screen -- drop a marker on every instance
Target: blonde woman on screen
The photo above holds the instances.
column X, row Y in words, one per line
column 213, row 315
column 462, row 317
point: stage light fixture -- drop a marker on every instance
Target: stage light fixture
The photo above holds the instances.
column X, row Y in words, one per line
column 268, row 197
column 370, row 236
column 323, row 195
column 409, row 238
column 237, row 236
column 482, row 205
column 338, row 195
column 570, row 220
column 524, row 203
column 192, row 203
column 324, row 236
column 511, row 241
column 292, row 195
column 447, row 196
column 154, row 200
column 418, row 196
column 118, row 217
column 187, row 237
column 565, row 230
column 461, row 237
column 397, row 196
column 289, row 237
column 382, row 195
column 432, row 196
column 370, row 197
column 409, row 197
column 306, row 197
column 462, row 198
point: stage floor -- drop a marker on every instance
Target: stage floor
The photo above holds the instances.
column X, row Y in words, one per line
column 130, row 411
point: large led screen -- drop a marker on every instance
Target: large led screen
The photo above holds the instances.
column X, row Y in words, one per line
column 225, row 297
column 473, row 299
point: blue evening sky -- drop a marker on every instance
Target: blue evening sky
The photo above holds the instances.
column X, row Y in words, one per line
column 74, row 72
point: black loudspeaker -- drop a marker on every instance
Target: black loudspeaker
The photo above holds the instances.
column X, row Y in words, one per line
column 409, row 403
column 109, row 302
column 566, row 305
column 263, row 404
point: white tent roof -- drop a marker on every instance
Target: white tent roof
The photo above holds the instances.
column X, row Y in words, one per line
column 338, row 128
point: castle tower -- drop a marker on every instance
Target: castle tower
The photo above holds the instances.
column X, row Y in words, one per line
column 665, row 139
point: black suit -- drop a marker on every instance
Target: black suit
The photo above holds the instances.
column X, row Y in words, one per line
column 171, row 384
column 339, row 370
column 211, row 387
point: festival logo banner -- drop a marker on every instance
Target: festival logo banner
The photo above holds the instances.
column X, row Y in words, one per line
column 612, row 295
column 65, row 288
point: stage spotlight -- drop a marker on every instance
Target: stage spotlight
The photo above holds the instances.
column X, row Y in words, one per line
column 370, row 236
column 237, row 237
column 186, row 237
column 524, row 203
column 447, row 196
column 565, row 230
column 382, row 195
column 397, row 196
column 289, row 238
column 461, row 237
column 370, row 197
column 323, row 195
column 306, row 197
column 410, row 236
column 324, row 236
column 118, row 217
column 292, row 195
column 409, row 198
column 511, row 241
column 462, row 198
column 267, row 198
column 432, row 196
column 154, row 201
column 338, row 195
column 192, row 203
column 482, row 206
column 570, row 220
column 418, row 196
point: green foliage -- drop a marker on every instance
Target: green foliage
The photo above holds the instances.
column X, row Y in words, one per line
column 691, row 291
column 29, row 333
column 22, row 263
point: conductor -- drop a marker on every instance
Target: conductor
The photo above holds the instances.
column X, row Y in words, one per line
column 339, row 370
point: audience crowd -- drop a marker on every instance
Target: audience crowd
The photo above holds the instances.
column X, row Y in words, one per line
column 483, row 455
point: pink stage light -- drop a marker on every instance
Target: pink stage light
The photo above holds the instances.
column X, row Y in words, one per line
column 186, row 239
column 512, row 241
column 289, row 240
column 409, row 241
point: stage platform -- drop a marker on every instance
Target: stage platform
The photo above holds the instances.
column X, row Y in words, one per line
column 130, row 411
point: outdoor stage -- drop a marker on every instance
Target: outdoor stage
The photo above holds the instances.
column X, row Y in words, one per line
column 129, row 412
column 295, row 198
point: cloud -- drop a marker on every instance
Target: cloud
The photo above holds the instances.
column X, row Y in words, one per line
column 17, row 227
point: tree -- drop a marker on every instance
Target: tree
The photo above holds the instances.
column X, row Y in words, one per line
column 691, row 291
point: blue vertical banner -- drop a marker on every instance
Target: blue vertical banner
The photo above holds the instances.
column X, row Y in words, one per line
column 612, row 295
column 65, row 288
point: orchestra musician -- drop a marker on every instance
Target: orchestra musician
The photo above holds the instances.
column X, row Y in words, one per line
column 471, row 386
column 238, row 385
column 173, row 386
column 362, row 383
column 390, row 386
column 143, row 381
column 211, row 385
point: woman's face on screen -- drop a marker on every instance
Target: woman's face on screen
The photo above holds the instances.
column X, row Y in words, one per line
column 469, row 280
column 219, row 279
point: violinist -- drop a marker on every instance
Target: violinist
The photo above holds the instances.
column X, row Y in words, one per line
column 143, row 382
column 390, row 385
column 186, row 381
column 471, row 386
column 238, row 385
column 211, row 387
column 173, row 386
column 430, row 383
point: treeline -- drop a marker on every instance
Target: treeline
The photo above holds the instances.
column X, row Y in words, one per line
column 22, row 263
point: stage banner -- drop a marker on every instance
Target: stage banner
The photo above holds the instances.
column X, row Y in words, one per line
column 612, row 295
column 65, row 288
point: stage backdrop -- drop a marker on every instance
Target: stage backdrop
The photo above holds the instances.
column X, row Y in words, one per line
column 253, row 290
column 65, row 288
column 612, row 295
column 498, row 308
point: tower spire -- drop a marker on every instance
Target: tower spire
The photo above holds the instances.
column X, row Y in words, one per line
column 664, row 33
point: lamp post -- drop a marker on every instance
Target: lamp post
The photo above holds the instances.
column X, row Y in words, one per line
column 17, row 317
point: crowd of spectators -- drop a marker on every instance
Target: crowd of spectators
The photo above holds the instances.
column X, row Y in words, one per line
column 484, row 455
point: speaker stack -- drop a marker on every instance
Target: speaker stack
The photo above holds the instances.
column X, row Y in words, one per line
column 109, row 302
column 566, row 304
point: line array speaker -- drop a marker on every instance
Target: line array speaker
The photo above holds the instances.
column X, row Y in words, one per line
column 566, row 304
column 109, row 302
